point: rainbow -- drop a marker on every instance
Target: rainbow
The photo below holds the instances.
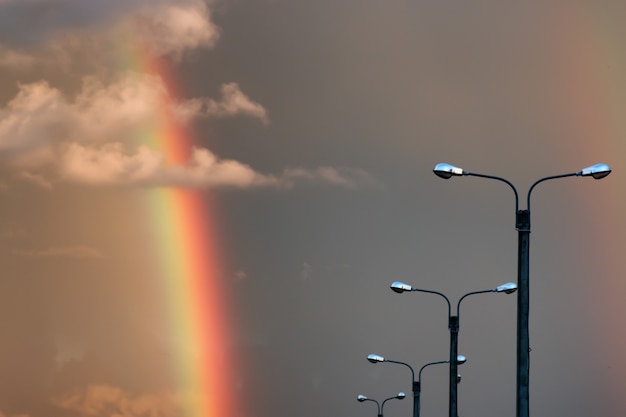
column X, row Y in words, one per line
column 182, row 225
column 589, row 65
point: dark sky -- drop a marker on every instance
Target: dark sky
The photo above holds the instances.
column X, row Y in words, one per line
column 340, row 111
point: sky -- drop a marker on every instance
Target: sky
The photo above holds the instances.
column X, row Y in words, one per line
column 304, row 133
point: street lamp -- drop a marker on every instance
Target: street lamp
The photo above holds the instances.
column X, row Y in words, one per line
column 373, row 358
column 522, row 224
column 453, row 326
column 362, row 398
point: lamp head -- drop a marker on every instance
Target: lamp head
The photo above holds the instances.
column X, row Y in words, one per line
column 458, row 378
column 460, row 360
column 401, row 287
column 401, row 395
column 361, row 398
column 597, row 171
column 374, row 358
column 508, row 288
column 446, row 171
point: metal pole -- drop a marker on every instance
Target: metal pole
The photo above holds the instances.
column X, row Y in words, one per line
column 453, row 325
column 416, row 398
column 523, row 309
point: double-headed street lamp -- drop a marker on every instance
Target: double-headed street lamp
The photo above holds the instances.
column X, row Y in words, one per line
column 453, row 326
column 373, row 358
column 522, row 224
column 362, row 398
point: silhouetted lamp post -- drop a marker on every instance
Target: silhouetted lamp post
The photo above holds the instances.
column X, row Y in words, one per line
column 453, row 326
column 522, row 224
column 417, row 385
column 362, row 398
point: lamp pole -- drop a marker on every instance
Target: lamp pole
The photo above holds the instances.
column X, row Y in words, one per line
column 453, row 327
column 362, row 398
column 522, row 224
column 416, row 384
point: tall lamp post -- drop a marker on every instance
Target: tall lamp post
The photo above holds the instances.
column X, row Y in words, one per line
column 522, row 224
column 453, row 326
column 417, row 385
column 362, row 398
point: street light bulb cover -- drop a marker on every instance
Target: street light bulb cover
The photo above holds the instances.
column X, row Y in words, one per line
column 401, row 395
column 508, row 288
column 374, row 358
column 597, row 171
column 446, row 171
column 400, row 287
column 361, row 398
column 461, row 359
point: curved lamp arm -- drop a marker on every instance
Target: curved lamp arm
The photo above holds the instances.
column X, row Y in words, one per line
column 361, row 398
column 401, row 287
column 552, row 177
column 597, row 171
column 400, row 396
column 374, row 358
column 445, row 171
column 508, row 288
column 419, row 377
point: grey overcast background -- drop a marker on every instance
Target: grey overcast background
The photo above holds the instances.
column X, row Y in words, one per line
column 363, row 97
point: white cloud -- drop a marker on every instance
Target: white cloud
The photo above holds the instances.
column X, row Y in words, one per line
column 40, row 113
column 102, row 400
column 61, row 29
column 110, row 164
column 84, row 140
column 170, row 29
column 35, row 114
column 91, row 137
column 40, row 118
column 343, row 177
column 233, row 102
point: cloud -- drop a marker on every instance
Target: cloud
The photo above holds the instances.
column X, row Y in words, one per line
column 40, row 118
column 103, row 400
column 75, row 252
column 42, row 114
column 92, row 136
column 48, row 137
column 233, row 102
column 344, row 177
column 111, row 165
column 83, row 140
column 36, row 114
column 170, row 29
column 161, row 27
